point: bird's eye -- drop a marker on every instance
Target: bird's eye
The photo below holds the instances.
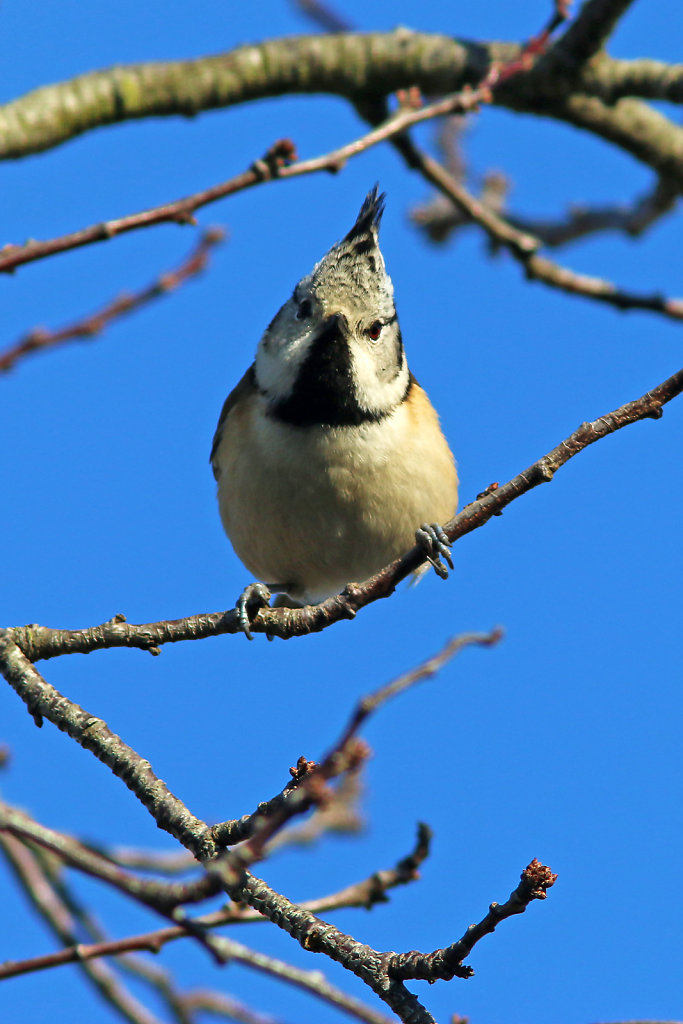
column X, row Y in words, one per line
column 304, row 309
column 375, row 329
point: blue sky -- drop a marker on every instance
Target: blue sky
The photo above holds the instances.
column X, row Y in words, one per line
column 562, row 743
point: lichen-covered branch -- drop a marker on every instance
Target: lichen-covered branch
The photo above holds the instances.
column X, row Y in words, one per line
column 350, row 65
column 360, row 67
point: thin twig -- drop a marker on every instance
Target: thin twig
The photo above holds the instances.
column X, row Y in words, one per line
column 40, row 339
column 343, row 756
column 312, row 982
column 447, row 963
column 523, row 246
column 154, row 975
column 160, row 896
column 43, row 897
column 440, row 218
column 309, row 931
column 221, row 1005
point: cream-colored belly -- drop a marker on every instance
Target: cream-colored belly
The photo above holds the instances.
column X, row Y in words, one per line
column 311, row 510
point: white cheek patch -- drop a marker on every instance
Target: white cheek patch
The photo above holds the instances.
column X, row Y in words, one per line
column 279, row 365
column 374, row 392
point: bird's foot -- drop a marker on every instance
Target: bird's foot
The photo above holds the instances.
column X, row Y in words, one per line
column 436, row 546
column 249, row 603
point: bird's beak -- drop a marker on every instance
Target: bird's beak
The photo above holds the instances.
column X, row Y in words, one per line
column 335, row 328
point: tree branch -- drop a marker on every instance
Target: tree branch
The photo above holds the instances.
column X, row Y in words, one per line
column 350, row 65
column 610, row 79
column 37, row 887
column 523, row 246
column 224, row 1006
column 276, row 163
column 361, row 67
column 439, row 217
column 364, row 894
column 310, row 931
column 447, row 963
column 40, row 339
column 160, row 896
column 589, row 31
column 43, row 700
column 39, row 642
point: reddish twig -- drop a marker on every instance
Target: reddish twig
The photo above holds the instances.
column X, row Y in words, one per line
column 40, row 339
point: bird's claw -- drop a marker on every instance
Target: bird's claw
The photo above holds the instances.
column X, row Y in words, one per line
column 436, row 546
column 249, row 603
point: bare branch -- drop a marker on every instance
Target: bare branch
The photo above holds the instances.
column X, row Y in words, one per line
column 40, row 339
column 313, row 982
column 277, row 163
column 338, row 814
column 152, row 974
column 429, row 668
column 38, row 889
column 364, row 894
column 447, row 963
column 179, row 211
column 224, row 1006
column 439, row 217
column 40, row 642
column 310, row 931
column 172, row 862
column 160, row 896
column 589, row 31
column 345, row 755
column 352, row 65
column 610, row 79
column 524, row 246
column 228, row 833
column 43, row 700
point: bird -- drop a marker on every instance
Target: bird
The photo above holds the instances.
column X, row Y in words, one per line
column 329, row 457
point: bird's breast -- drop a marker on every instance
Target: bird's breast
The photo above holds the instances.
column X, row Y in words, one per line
column 313, row 507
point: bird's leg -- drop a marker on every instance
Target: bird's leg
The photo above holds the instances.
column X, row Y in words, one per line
column 436, row 545
column 251, row 600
